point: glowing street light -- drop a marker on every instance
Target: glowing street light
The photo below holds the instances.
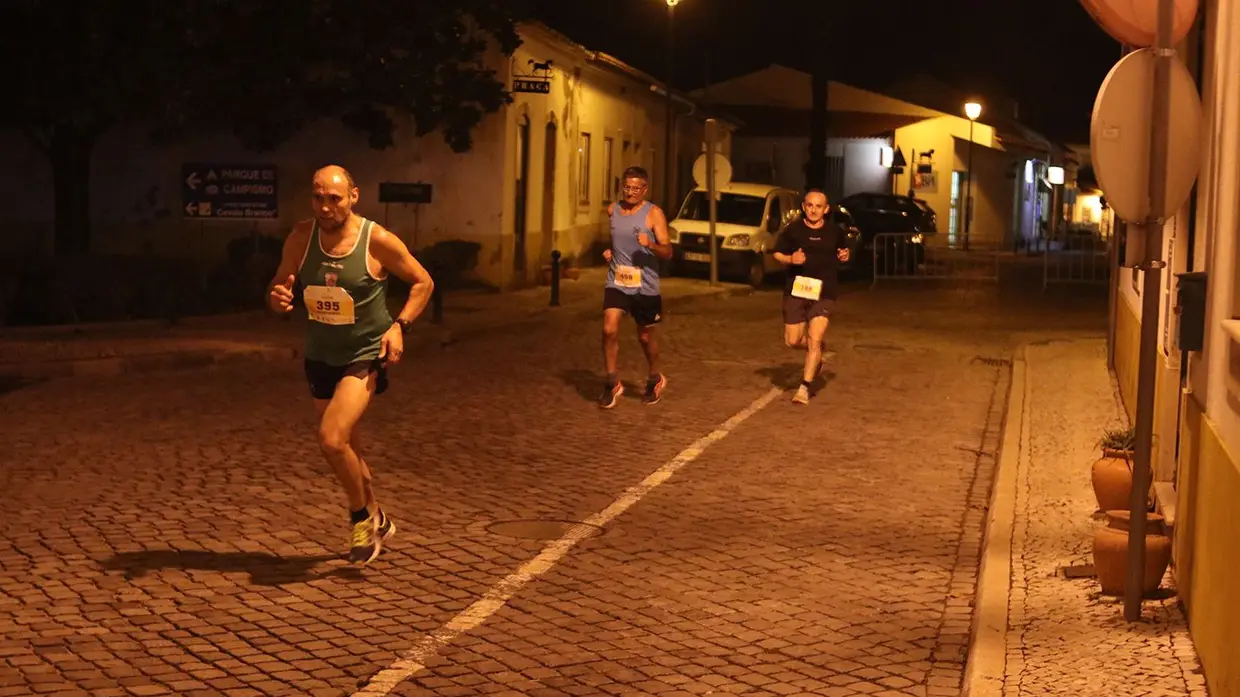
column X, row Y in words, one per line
column 972, row 110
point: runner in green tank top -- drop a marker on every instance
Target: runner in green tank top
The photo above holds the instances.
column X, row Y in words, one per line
column 343, row 262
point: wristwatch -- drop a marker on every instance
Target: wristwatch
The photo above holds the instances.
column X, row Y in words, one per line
column 405, row 325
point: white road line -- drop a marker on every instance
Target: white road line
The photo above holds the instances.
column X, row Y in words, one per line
column 414, row 660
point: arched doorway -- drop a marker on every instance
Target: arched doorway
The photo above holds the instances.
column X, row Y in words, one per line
column 548, row 202
column 520, row 214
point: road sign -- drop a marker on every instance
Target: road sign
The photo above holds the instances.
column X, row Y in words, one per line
column 1133, row 22
column 1120, row 137
column 723, row 171
column 229, row 191
column 531, row 85
column 405, row 192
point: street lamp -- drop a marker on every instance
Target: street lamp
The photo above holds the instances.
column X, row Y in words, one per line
column 971, row 110
column 670, row 134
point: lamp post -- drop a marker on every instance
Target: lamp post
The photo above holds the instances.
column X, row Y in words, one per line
column 971, row 110
column 670, row 134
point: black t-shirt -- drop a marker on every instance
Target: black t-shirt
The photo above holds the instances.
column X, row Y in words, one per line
column 820, row 246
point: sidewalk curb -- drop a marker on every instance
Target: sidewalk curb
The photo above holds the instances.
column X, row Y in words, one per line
column 55, row 330
column 127, row 365
column 439, row 336
column 986, row 664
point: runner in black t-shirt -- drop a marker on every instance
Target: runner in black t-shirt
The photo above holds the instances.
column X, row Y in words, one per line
column 812, row 251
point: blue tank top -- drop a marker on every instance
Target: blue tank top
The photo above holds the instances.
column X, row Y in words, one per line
column 634, row 269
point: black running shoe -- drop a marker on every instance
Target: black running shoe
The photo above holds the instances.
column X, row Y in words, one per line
column 611, row 395
column 654, row 390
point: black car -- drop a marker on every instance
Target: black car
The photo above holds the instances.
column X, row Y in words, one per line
column 906, row 221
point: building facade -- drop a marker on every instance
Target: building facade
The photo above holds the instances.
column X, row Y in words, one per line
column 539, row 176
column 1011, row 197
column 1196, row 456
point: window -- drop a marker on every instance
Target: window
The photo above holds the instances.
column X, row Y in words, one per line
column 611, row 185
column 730, row 208
column 775, row 217
column 583, row 168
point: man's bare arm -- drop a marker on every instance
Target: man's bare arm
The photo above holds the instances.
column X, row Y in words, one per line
column 392, row 253
column 662, row 246
column 280, row 288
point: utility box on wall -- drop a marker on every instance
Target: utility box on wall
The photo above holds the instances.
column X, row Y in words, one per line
column 1191, row 306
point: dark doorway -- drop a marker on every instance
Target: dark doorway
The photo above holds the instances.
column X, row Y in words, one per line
column 548, row 212
column 519, row 261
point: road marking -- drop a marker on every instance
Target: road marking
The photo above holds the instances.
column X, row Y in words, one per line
column 414, row 660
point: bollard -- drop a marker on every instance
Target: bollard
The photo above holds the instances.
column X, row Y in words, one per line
column 555, row 278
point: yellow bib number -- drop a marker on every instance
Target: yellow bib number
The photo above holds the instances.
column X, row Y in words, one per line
column 329, row 304
column 806, row 288
column 628, row 277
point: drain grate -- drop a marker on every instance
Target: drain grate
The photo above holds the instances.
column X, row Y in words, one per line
column 541, row 529
column 992, row 361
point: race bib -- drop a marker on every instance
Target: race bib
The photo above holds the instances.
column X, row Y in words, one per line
column 806, row 288
column 628, row 277
column 329, row 304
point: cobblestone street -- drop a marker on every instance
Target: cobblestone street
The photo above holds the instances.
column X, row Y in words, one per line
column 179, row 533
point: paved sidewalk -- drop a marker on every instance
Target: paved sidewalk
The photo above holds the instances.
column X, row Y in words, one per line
column 29, row 353
column 1055, row 635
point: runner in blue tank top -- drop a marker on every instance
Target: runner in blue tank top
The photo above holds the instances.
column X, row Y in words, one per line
column 638, row 241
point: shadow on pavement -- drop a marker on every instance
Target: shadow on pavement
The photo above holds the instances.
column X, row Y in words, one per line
column 589, row 384
column 265, row 569
column 13, row 383
column 787, row 376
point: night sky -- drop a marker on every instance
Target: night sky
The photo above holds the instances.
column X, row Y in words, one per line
column 1051, row 57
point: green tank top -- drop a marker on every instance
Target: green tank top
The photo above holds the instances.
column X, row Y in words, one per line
column 347, row 306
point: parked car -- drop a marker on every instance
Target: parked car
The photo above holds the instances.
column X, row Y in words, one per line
column 748, row 217
column 912, row 219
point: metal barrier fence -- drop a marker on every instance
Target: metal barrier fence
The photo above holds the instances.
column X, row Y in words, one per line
column 900, row 256
column 1077, row 256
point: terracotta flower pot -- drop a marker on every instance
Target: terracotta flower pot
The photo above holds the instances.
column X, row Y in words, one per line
column 1112, row 480
column 1111, row 553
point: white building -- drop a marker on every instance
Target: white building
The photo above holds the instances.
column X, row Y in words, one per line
column 539, row 177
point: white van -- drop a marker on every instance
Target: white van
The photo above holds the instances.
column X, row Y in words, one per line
column 749, row 218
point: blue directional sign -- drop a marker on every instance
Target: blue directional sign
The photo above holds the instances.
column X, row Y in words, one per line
column 230, row 191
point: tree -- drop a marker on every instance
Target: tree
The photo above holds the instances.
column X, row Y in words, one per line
column 262, row 70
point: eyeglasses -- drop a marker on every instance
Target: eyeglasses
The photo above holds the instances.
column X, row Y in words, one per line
column 633, row 189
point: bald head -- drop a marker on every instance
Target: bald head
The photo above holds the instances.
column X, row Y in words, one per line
column 814, row 205
column 335, row 173
column 335, row 194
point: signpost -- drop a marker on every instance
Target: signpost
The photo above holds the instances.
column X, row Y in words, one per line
column 229, row 191
column 416, row 193
column 405, row 192
column 1146, row 145
column 712, row 171
column 535, row 85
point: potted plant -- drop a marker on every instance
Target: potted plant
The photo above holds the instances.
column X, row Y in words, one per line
column 1111, row 474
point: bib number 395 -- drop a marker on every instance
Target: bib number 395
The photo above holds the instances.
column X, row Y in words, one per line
column 329, row 305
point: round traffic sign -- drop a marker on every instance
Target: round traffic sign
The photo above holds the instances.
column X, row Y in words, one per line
column 1119, row 137
column 723, row 171
column 1134, row 22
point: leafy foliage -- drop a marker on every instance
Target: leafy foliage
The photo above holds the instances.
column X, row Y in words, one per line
column 260, row 69
column 1123, row 440
column 278, row 65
